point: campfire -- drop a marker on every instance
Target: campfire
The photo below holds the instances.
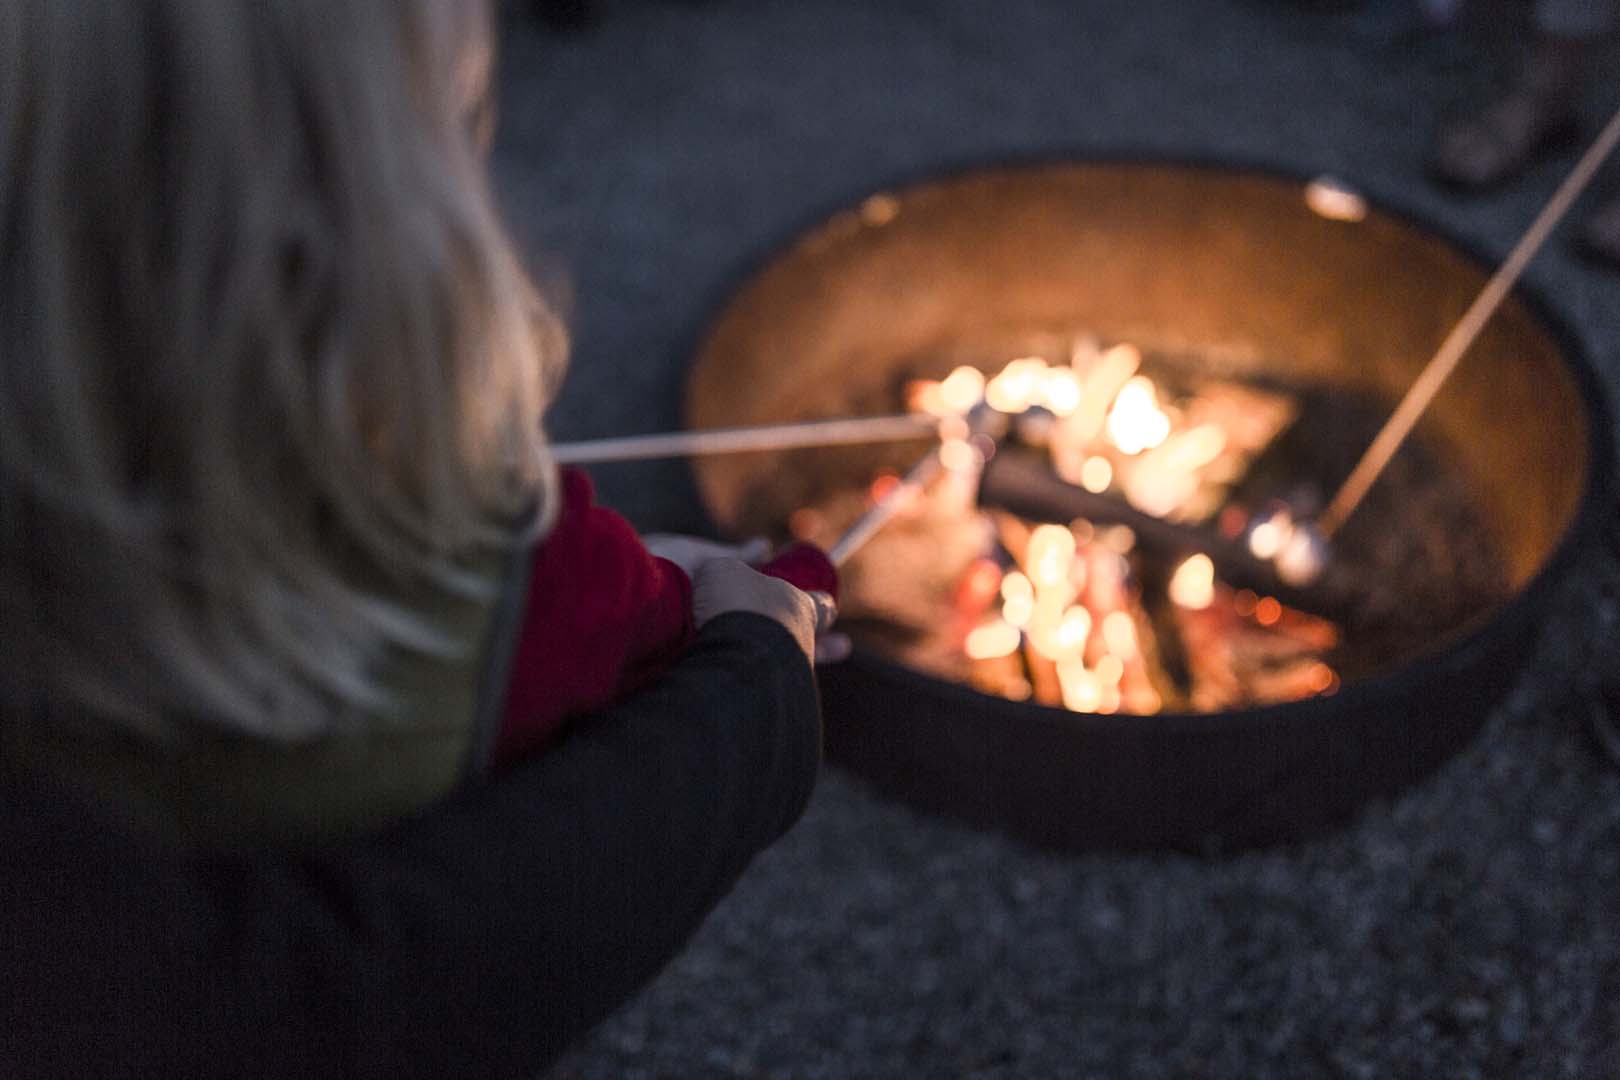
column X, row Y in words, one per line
column 1143, row 491
column 1104, row 616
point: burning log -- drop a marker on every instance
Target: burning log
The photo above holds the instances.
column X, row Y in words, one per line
column 1023, row 484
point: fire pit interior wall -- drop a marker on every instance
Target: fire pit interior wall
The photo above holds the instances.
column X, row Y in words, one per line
column 1235, row 270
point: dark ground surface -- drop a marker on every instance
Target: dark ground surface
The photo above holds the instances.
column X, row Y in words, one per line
column 1468, row 928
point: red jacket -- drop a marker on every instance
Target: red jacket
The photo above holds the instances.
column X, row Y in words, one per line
column 603, row 616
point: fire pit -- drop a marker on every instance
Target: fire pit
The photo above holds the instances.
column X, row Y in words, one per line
column 1237, row 338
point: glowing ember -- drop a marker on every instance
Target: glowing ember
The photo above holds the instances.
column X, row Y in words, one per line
column 1082, row 690
column 1073, row 631
column 883, row 486
column 1051, row 550
column 1017, row 599
column 1120, row 539
column 1116, row 366
column 1046, row 626
column 1079, row 571
column 1267, row 538
column 1015, row 586
column 979, row 586
column 1193, row 586
column 992, row 641
column 1099, row 385
column 1144, row 702
column 1194, row 449
column 1303, row 557
column 1119, row 633
column 924, row 396
column 1322, row 679
column 1060, row 391
column 1096, row 475
column 1018, row 385
column 962, row 389
column 1136, row 423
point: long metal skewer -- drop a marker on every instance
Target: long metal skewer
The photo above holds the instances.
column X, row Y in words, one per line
column 1433, row 377
column 837, row 432
column 893, row 501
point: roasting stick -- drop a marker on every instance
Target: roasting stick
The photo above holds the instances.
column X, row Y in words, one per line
column 1433, row 377
column 839, row 432
column 895, row 500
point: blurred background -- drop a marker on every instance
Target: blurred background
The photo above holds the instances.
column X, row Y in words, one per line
column 652, row 152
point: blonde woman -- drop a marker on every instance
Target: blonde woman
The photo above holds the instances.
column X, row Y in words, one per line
column 276, row 504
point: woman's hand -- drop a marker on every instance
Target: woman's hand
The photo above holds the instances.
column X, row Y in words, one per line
column 732, row 591
column 727, row 584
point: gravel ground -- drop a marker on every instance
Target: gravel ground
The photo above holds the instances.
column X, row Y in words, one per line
column 1469, row 928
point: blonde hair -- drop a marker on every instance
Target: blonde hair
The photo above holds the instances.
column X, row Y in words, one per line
column 267, row 358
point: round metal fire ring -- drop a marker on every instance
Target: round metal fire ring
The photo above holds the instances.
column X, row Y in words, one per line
column 1266, row 274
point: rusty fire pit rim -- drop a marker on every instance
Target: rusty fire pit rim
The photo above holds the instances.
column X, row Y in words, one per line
column 1597, row 509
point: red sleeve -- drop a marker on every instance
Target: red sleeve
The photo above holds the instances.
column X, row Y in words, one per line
column 603, row 615
column 805, row 566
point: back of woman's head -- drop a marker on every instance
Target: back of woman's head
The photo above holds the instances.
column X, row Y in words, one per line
column 264, row 352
